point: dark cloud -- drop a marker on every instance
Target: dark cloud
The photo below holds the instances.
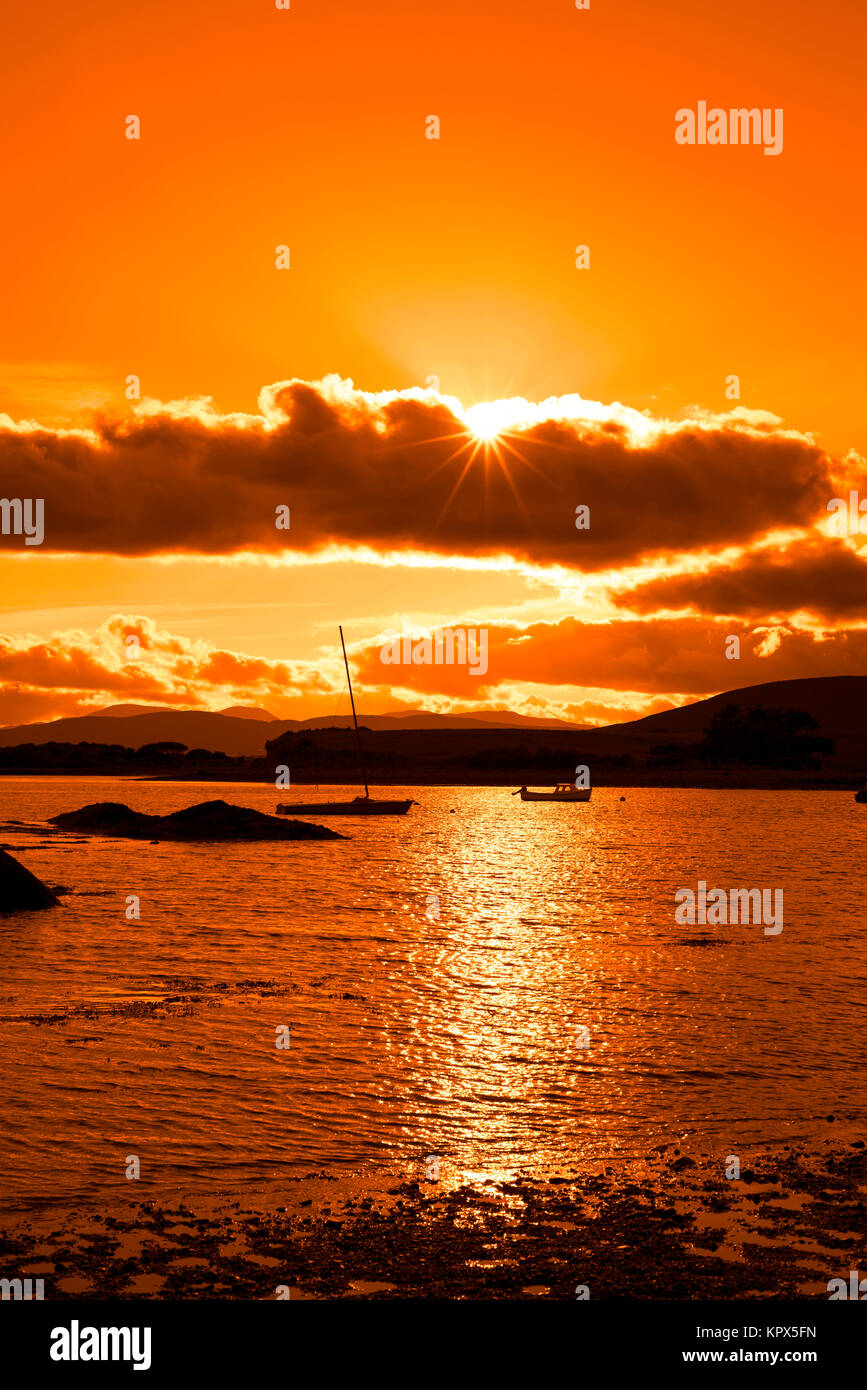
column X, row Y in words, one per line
column 821, row 577
column 394, row 475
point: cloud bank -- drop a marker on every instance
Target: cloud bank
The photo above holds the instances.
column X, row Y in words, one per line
column 405, row 470
column 132, row 660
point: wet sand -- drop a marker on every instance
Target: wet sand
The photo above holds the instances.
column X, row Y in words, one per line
column 673, row 1227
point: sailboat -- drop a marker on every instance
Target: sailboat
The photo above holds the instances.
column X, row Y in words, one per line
column 360, row 805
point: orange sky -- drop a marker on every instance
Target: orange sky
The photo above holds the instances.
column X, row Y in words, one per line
column 413, row 258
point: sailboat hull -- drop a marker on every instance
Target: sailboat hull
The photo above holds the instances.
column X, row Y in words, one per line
column 361, row 806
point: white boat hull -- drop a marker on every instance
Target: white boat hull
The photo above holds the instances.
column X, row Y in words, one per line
column 579, row 794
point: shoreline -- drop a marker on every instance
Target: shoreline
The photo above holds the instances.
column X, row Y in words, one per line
column 788, row 780
column 670, row 1226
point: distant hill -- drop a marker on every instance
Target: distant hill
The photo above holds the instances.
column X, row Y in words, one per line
column 124, row 711
column 499, row 718
column 238, row 730
column 658, row 750
column 196, row 728
column 423, row 719
column 235, row 711
column 498, row 746
column 760, row 744
column 837, row 703
column 248, row 712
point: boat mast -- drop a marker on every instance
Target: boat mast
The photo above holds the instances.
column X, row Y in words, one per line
column 354, row 716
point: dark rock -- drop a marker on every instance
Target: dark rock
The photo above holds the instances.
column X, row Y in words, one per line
column 210, row 820
column 20, row 890
column 105, row 818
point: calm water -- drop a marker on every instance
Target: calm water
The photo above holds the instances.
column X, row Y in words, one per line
column 411, row 1032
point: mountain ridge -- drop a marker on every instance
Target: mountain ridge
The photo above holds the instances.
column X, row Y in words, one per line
column 836, row 702
column 236, row 733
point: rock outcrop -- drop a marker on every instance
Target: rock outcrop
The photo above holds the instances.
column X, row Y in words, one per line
column 20, row 890
column 210, row 820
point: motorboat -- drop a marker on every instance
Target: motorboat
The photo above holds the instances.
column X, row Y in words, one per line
column 563, row 791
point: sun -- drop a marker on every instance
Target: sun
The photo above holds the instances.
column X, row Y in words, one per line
column 490, row 418
column 489, row 436
column 484, row 428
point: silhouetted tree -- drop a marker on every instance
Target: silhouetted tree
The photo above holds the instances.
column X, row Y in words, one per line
column 763, row 737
